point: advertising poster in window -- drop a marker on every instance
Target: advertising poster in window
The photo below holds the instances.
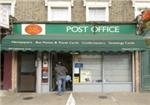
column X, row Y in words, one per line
column 76, row 79
column 45, row 69
column 76, row 71
column 85, row 76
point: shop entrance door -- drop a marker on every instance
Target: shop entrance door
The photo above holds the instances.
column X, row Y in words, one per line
column 66, row 60
column 26, row 72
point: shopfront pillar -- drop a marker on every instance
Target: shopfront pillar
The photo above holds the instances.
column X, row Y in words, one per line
column 14, row 71
column 137, row 71
column 38, row 64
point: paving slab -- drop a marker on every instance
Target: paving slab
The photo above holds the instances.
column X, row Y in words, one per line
column 122, row 98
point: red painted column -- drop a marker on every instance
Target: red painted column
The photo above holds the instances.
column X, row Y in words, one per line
column 7, row 70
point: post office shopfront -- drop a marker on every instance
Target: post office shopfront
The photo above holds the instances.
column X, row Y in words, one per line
column 99, row 57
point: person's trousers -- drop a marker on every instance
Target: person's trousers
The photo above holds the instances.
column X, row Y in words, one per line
column 61, row 84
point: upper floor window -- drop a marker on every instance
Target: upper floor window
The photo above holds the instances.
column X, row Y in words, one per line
column 59, row 10
column 140, row 5
column 9, row 5
column 97, row 10
column 97, row 14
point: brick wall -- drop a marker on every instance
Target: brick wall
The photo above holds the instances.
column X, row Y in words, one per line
column 35, row 10
column 78, row 11
column 121, row 10
column 30, row 10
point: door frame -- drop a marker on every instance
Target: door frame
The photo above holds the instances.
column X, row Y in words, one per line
column 19, row 60
column 51, row 61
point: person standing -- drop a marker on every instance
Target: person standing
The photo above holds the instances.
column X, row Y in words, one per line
column 61, row 77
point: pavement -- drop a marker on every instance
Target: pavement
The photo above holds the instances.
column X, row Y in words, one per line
column 122, row 98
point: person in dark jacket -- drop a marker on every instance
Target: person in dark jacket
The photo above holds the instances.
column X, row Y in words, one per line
column 61, row 77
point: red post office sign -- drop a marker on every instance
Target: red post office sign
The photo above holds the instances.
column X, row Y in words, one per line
column 33, row 29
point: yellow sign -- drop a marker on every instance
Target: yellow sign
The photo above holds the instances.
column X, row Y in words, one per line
column 76, row 79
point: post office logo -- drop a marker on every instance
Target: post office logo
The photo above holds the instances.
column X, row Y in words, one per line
column 33, row 29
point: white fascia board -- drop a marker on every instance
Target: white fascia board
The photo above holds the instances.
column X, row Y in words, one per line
column 146, row 5
column 97, row 3
column 7, row 1
column 59, row 3
column 141, row 2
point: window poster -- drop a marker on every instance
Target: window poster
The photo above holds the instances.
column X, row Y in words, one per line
column 76, row 71
column 76, row 79
column 85, row 76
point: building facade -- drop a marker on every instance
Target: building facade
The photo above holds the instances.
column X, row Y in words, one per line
column 95, row 39
column 5, row 29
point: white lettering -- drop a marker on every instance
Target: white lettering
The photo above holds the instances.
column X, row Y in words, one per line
column 78, row 29
column 62, row 42
column 110, row 29
column 96, row 43
column 98, row 29
column 21, row 42
column 73, row 42
column 116, row 43
column 117, row 29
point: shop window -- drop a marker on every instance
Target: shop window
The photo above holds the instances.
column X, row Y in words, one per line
column 9, row 5
column 140, row 5
column 97, row 10
column 59, row 10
